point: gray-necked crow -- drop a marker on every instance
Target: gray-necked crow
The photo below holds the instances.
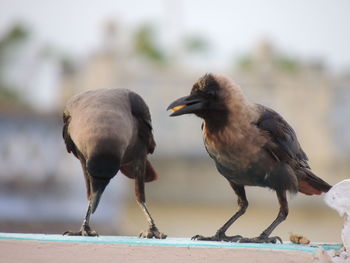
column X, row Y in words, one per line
column 110, row 130
column 251, row 145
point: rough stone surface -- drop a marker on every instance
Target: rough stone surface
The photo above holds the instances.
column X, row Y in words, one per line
column 57, row 252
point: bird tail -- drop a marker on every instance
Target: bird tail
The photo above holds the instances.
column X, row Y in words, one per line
column 150, row 173
column 310, row 184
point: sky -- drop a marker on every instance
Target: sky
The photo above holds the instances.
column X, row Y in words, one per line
column 313, row 29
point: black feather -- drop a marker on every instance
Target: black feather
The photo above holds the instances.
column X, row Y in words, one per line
column 67, row 139
column 140, row 111
column 284, row 144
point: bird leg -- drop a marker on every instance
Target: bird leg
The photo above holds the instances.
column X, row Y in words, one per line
column 220, row 234
column 282, row 215
column 141, row 200
column 85, row 229
column 153, row 230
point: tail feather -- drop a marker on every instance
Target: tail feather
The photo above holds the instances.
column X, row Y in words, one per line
column 310, row 184
column 150, row 173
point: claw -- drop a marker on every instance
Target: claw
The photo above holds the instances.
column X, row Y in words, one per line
column 197, row 237
column 218, row 237
column 84, row 231
column 81, row 233
column 153, row 232
column 261, row 239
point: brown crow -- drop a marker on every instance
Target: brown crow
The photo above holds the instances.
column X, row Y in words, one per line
column 110, row 130
column 251, row 145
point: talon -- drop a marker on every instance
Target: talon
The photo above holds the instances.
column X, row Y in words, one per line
column 218, row 237
column 84, row 231
column 200, row 237
column 71, row 233
column 143, row 234
column 152, row 232
column 275, row 239
column 90, row 233
column 162, row 236
column 261, row 239
column 235, row 238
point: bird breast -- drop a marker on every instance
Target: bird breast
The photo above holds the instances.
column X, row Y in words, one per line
column 235, row 146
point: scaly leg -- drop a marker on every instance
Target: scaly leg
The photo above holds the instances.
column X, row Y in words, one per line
column 282, row 215
column 141, row 200
column 85, row 229
column 220, row 234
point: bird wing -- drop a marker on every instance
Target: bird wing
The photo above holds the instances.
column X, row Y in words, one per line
column 67, row 139
column 140, row 111
column 284, row 144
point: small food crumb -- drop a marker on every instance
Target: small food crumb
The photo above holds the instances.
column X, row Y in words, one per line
column 299, row 239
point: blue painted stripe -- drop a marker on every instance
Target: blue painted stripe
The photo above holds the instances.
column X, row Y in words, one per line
column 175, row 242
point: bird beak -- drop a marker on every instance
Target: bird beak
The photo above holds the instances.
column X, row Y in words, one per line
column 97, row 186
column 185, row 105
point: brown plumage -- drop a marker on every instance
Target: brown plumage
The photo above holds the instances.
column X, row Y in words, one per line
column 251, row 145
column 110, row 130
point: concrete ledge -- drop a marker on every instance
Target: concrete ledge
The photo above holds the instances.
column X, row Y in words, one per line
column 174, row 242
column 56, row 248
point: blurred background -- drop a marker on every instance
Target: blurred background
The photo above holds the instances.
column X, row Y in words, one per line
column 291, row 56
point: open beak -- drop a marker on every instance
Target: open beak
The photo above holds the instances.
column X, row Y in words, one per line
column 185, row 105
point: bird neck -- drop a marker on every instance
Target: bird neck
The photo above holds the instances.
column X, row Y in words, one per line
column 233, row 126
column 216, row 120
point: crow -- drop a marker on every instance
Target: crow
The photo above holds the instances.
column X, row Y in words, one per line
column 110, row 130
column 251, row 145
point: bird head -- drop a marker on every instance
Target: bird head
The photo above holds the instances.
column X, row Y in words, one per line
column 206, row 98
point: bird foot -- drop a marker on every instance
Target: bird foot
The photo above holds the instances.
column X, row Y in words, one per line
column 261, row 239
column 152, row 232
column 218, row 237
column 84, row 231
